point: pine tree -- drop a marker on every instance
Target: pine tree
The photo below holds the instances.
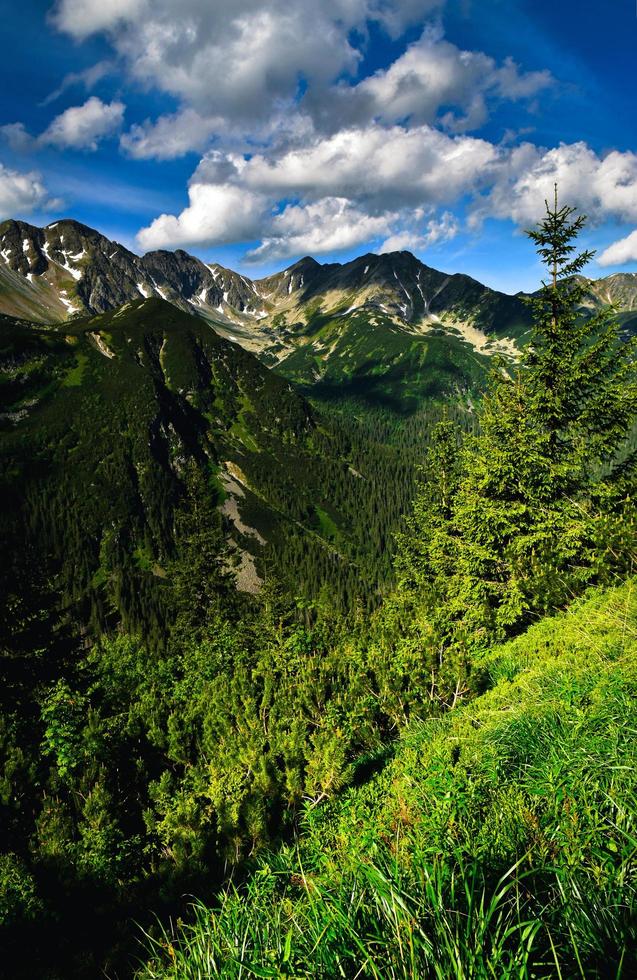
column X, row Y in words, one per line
column 416, row 657
column 543, row 506
column 580, row 381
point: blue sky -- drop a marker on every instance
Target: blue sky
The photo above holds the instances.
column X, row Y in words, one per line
column 255, row 132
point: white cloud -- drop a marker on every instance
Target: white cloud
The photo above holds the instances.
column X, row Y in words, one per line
column 329, row 225
column 170, row 136
column 299, row 142
column 601, row 187
column 433, row 80
column 18, row 138
column 81, row 18
column 397, row 15
column 620, row 252
column 217, row 213
column 251, row 64
column 83, row 126
column 239, row 60
column 437, row 230
column 361, row 178
column 79, row 127
column 218, row 58
column 366, row 183
column 21, row 193
column 386, row 167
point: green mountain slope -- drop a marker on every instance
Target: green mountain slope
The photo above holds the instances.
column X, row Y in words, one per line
column 370, row 323
column 368, row 357
column 104, row 422
column 498, row 841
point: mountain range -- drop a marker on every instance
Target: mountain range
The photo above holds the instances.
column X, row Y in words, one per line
column 382, row 327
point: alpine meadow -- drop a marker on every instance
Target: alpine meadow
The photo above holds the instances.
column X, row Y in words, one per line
column 318, row 581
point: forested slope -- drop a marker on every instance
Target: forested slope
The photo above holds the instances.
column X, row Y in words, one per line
column 116, row 424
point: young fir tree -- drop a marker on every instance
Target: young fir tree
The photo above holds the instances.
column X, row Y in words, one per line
column 544, row 504
column 426, row 548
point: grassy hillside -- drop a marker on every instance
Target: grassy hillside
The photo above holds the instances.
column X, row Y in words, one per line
column 368, row 357
column 441, row 784
column 499, row 841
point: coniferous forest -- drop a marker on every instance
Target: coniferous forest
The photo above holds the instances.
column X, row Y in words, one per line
column 408, row 751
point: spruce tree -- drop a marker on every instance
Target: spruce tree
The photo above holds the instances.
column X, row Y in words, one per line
column 580, row 381
column 425, row 549
column 544, row 505
column 413, row 659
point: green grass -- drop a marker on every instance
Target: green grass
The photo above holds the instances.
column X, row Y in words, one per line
column 500, row 841
column 75, row 375
column 327, row 527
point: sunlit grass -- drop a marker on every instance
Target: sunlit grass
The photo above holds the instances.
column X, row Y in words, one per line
column 500, row 842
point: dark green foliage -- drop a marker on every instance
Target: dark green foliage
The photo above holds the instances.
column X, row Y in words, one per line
column 377, row 363
column 149, row 769
column 97, row 452
column 202, row 583
column 542, row 504
column 18, row 892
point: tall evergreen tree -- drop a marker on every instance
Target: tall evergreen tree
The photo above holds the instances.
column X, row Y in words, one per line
column 426, row 548
column 544, row 503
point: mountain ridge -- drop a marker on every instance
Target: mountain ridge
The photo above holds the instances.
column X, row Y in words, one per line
column 52, row 252
column 385, row 328
column 33, row 258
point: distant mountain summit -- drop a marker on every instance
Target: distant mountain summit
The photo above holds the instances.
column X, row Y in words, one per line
column 67, row 269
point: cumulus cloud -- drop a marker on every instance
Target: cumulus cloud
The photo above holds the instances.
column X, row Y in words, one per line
column 360, row 178
column 600, row 186
column 81, row 18
column 234, row 67
column 21, row 193
column 437, row 230
column 384, row 182
column 433, row 80
column 170, row 136
column 82, row 127
column 329, row 225
column 300, row 141
column 620, row 252
column 217, row 213
column 243, row 60
column 385, row 167
column 224, row 59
